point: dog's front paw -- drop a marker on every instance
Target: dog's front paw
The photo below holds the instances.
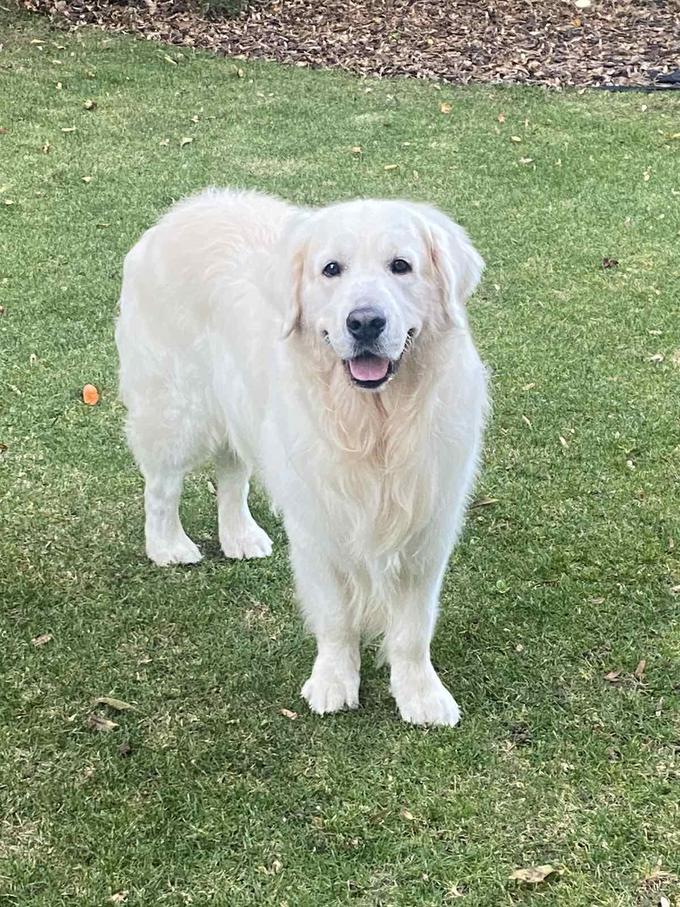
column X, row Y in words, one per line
column 331, row 689
column 423, row 699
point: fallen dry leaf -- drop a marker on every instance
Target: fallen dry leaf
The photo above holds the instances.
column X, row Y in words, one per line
column 515, row 138
column 640, row 670
column 526, row 160
column 408, row 815
column 484, row 502
column 119, row 897
column 90, row 395
column 288, row 713
column 118, row 704
column 187, row 140
column 42, row 639
column 90, row 104
column 98, row 723
column 68, row 128
column 46, row 148
column 656, row 357
column 125, row 749
column 613, row 676
column 87, row 179
column 391, row 167
column 445, row 107
column 534, row 875
column 356, row 149
column 501, row 118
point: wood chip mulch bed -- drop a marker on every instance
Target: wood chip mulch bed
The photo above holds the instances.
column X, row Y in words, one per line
column 557, row 43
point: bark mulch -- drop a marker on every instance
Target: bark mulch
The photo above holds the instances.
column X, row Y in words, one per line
column 619, row 43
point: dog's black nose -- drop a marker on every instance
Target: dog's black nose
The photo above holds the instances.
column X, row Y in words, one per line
column 366, row 323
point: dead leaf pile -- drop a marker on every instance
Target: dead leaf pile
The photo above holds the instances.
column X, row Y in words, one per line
column 609, row 42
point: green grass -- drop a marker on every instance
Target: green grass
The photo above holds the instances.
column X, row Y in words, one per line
column 568, row 576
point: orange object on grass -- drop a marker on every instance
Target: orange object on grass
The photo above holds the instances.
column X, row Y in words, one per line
column 90, row 395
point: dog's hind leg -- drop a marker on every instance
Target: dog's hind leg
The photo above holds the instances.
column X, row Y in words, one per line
column 166, row 541
column 240, row 536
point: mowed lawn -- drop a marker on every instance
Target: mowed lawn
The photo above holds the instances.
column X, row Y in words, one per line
column 559, row 632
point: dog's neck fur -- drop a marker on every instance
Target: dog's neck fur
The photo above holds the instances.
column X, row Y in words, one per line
column 377, row 446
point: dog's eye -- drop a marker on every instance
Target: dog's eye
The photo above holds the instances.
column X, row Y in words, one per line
column 332, row 269
column 400, row 266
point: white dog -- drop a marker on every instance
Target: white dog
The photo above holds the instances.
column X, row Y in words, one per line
column 329, row 350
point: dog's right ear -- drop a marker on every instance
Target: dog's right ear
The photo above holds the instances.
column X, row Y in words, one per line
column 294, row 249
column 293, row 318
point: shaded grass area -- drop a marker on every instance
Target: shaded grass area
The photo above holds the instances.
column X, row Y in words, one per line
column 215, row 796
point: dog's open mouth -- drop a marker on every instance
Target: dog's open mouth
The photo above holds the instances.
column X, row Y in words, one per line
column 370, row 371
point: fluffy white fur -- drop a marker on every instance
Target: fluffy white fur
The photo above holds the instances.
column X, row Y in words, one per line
column 232, row 345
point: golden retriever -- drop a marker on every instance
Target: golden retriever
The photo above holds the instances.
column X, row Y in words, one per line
column 328, row 351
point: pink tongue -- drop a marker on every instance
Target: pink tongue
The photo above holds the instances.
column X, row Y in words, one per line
column 368, row 368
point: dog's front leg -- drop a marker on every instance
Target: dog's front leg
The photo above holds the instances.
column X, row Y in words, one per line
column 334, row 681
column 420, row 695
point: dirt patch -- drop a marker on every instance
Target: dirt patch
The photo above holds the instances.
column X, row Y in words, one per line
column 555, row 43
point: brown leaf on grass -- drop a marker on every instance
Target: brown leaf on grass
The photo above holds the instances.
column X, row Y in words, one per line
column 408, row 815
column 68, row 128
column 118, row 704
column 610, row 262
column 89, row 104
column 483, row 502
column 3, row 448
column 445, row 107
column 391, row 167
column 534, row 875
column 42, row 640
column 356, row 149
column 655, row 357
column 187, row 140
column 515, row 138
column 119, row 897
column 86, row 179
column 90, row 395
column 501, row 118
column 613, row 676
column 288, row 713
column 98, row 723
column 640, row 670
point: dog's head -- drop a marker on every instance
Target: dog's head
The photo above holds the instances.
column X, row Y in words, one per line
column 370, row 280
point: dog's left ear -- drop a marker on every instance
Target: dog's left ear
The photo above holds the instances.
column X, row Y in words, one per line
column 456, row 263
